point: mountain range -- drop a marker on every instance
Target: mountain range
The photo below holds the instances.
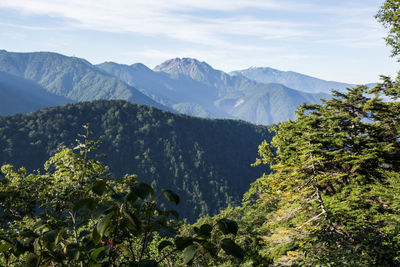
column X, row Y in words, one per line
column 182, row 85
column 195, row 88
column 294, row 80
column 70, row 77
column 291, row 79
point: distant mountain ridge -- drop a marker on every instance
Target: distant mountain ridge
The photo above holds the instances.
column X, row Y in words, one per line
column 291, row 79
column 241, row 97
column 184, row 85
column 176, row 91
column 19, row 95
column 198, row 89
column 70, row 77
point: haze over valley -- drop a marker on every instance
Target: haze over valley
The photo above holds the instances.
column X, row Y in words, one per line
column 182, row 85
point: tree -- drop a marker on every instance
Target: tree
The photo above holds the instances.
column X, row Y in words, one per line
column 389, row 16
column 335, row 172
column 335, row 178
column 75, row 214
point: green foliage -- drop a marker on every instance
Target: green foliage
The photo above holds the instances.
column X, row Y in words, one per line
column 335, row 170
column 196, row 158
column 76, row 214
column 389, row 16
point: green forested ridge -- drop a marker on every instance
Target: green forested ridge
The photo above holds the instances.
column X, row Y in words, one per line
column 207, row 162
column 75, row 213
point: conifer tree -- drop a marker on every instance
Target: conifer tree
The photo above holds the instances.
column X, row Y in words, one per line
column 335, row 180
column 335, row 172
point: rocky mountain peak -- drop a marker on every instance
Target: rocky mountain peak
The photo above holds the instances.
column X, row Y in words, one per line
column 193, row 68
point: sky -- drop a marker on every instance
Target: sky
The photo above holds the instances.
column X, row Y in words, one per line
column 336, row 40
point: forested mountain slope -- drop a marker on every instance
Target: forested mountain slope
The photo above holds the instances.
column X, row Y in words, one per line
column 207, row 162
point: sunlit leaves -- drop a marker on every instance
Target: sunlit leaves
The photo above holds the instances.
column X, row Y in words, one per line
column 189, row 253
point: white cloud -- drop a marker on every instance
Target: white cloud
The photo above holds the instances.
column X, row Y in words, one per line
column 228, row 34
column 159, row 17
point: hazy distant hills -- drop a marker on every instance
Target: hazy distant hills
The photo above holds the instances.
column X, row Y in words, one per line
column 179, row 92
column 195, row 88
column 70, row 77
column 207, row 162
column 183, row 85
column 291, row 79
column 19, row 95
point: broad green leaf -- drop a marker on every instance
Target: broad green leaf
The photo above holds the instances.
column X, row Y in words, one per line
column 90, row 203
column 78, row 205
column 96, row 253
column 142, row 190
column 182, row 242
column 231, row 248
column 50, row 239
column 210, row 248
column 96, row 236
column 204, row 230
column 189, row 253
column 72, row 250
column 171, row 196
column 99, row 187
column 133, row 222
column 104, row 223
column 77, row 255
column 131, row 197
column 228, row 226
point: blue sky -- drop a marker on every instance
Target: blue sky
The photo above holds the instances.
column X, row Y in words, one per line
column 333, row 40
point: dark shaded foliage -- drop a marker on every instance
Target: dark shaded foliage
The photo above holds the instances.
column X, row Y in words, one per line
column 207, row 162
